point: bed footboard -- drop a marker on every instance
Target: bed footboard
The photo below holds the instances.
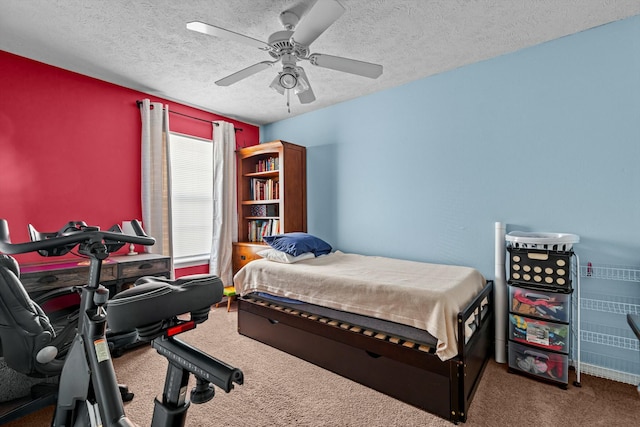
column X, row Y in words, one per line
column 475, row 350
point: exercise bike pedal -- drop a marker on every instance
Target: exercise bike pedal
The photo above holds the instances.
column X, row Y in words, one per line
column 202, row 392
column 126, row 395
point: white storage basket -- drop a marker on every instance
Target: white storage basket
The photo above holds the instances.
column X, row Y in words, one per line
column 562, row 242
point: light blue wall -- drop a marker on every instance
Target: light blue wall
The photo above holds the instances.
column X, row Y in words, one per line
column 546, row 139
column 543, row 139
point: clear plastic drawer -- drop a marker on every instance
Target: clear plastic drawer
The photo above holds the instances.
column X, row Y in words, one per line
column 539, row 363
column 539, row 333
column 554, row 306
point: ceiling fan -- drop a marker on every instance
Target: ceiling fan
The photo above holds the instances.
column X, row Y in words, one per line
column 291, row 46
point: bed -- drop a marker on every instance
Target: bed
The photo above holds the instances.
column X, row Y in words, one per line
column 419, row 332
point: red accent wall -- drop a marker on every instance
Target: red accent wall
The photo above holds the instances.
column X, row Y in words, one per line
column 70, row 148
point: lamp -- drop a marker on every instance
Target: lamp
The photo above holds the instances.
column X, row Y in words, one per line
column 127, row 228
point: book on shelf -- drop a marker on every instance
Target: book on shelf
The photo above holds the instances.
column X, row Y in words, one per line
column 264, row 189
column 258, row 229
column 265, row 165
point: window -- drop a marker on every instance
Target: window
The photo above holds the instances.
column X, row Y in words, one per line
column 191, row 177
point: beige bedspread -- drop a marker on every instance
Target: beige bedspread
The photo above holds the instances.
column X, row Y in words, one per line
column 426, row 296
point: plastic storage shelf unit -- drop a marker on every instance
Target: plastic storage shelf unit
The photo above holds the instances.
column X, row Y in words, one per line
column 541, row 322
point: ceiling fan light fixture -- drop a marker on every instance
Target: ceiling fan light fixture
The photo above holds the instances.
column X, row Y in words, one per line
column 288, row 79
column 302, row 86
column 275, row 85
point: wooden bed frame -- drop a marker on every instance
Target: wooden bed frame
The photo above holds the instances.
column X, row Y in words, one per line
column 405, row 372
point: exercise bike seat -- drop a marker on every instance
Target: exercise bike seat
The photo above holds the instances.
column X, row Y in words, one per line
column 153, row 302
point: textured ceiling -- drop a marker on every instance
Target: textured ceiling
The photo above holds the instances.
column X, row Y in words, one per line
column 144, row 44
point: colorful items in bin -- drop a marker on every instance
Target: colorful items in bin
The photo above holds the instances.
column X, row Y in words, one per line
column 534, row 362
column 547, row 365
column 550, row 336
column 548, row 305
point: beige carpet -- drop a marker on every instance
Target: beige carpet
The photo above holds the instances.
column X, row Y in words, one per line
column 281, row 390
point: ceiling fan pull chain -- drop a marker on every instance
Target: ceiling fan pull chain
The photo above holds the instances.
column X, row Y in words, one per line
column 288, row 98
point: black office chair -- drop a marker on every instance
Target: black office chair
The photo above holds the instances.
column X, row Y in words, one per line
column 36, row 332
column 31, row 342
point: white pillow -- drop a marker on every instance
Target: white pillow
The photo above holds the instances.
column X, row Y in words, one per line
column 283, row 257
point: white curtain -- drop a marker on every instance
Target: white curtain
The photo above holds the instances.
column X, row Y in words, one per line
column 156, row 188
column 225, row 219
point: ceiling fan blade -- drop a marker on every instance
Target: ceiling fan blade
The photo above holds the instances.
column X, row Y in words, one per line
column 322, row 14
column 212, row 30
column 365, row 69
column 305, row 96
column 243, row 74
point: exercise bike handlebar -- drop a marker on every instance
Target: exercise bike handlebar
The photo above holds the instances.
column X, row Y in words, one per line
column 86, row 235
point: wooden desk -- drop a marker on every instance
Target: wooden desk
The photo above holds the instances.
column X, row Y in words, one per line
column 117, row 271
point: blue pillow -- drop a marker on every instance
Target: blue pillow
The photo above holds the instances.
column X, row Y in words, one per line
column 298, row 243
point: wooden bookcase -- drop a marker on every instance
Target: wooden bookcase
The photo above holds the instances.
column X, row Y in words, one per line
column 272, row 195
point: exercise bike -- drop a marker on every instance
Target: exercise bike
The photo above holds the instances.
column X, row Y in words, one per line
column 158, row 308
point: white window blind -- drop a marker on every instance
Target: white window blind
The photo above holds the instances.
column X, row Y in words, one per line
column 191, row 197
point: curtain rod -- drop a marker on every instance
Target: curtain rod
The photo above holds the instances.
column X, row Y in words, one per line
column 194, row 118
